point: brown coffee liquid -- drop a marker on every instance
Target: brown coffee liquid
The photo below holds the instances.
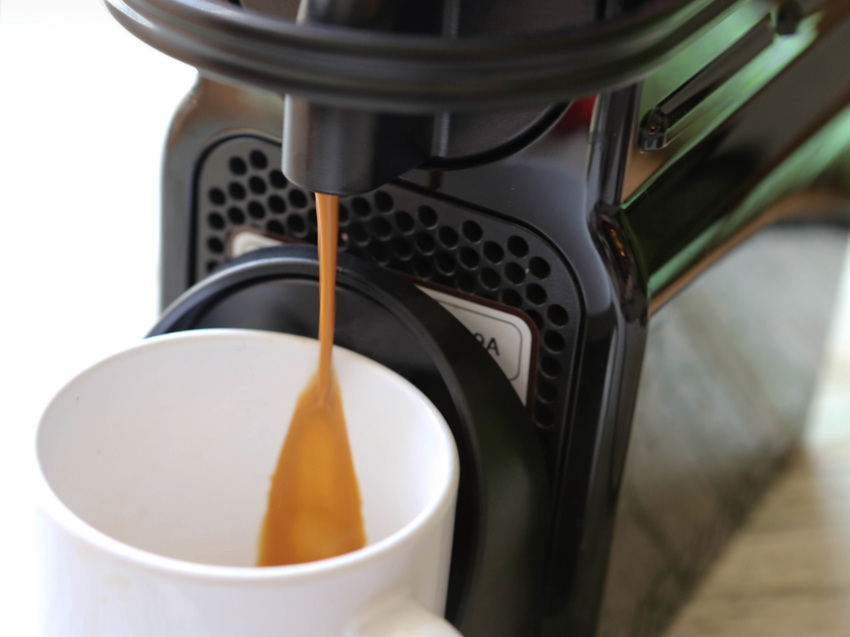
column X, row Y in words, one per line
column 314, row 501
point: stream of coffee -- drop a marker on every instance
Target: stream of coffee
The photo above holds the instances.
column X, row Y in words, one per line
column 314, row 503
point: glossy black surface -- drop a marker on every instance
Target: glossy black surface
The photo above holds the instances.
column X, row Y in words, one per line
column 656, row 130
column 584, row 221
column 778, row 143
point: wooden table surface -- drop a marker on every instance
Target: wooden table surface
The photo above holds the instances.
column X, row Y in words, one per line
column 787, row 572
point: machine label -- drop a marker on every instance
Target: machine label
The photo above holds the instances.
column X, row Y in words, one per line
column 247, row 240
column 505, row 336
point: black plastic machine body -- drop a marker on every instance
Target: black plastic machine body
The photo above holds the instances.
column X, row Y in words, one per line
column 522, row 261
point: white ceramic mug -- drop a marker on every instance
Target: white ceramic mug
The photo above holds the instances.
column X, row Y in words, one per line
column 155, row 467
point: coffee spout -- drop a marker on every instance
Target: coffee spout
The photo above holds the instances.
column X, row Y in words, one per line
column 343, row 152
column 338, row 150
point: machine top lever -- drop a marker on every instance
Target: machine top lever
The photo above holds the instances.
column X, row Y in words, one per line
column 404, row 73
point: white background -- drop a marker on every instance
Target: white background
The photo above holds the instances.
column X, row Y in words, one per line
column 84, row 109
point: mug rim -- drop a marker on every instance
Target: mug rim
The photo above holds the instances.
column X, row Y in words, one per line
column 53, row 507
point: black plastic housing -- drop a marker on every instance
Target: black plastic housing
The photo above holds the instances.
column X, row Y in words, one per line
column 376, row 89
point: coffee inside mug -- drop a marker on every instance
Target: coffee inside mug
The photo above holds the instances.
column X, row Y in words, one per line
column 169, row 447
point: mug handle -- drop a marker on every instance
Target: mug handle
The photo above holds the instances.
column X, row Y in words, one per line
column 401, row 616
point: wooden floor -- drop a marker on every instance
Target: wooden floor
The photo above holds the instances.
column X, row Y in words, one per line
column 787, row 573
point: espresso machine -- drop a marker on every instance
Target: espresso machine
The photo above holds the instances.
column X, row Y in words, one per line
column 602, row 236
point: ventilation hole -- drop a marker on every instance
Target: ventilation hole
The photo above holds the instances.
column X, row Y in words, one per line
column 558, row 315
column 448, row 237
column 469, row 258
column 402, row 266
column 257, row 185
column 275, row 227
column 343, row 215
column 277, row 204
column 235, row 215
column 445, row 263
column 360, row 207
column 312, row 219
column 535, row 318
column 493, row 252
column 517, row 246
column 427, row 216
column 215, row 245
column 546, row 392
column 543, row 415
column 514, row 272
column 402, row 249
column 466, row 282
column 444, row 280
column 381, row 253
column 425, row 243
column 472, row 231
column 296, row 225
column 256, row 210
column 550, row 367
column 382, row 228
column 383, row 201
column 236, row 190
column 539, row 267
column 404, row 221
column 217, row 196
column 490, row 279
column 258, row 159
column 277, row 179
column 553, row 341
column 215, row 220
column 211, row 265
column 511, row 297
column 358, row 234
column 297, row 198
column 238, row 166
column 423, row 269
column 536, row 294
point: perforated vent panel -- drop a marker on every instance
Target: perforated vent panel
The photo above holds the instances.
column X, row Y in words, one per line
column 456, row 246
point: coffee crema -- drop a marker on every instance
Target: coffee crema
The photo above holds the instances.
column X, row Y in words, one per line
column 314, row 509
